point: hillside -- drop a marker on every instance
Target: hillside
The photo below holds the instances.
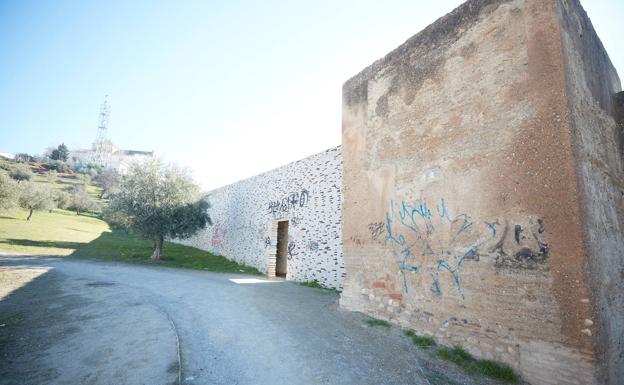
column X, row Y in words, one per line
column 64, row 233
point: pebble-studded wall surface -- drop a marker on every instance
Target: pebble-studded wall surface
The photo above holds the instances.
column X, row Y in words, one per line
column 307, row 194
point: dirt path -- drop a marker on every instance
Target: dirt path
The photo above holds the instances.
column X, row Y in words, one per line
column 78, row 322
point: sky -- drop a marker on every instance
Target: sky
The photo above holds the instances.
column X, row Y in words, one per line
column 229, row 89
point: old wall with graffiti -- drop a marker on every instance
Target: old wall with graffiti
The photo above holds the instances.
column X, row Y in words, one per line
column 307, row 194
column 462, row 217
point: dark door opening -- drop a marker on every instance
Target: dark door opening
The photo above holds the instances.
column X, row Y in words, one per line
column 281, row 257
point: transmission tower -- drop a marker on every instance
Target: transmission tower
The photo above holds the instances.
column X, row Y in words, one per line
column 103, row 147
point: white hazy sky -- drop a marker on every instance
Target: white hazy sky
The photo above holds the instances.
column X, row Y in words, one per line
column 229, row 89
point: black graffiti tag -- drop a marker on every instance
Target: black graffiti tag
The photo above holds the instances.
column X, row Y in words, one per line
column 376, row 229
column 289, row 202
column 291, row 250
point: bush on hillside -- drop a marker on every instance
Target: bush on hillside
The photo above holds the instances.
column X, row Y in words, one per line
column 52, row 176
column 21, row 174
column 8, row 192
column 58, row 166
column 24, row 158
column 62, row 200
column 80, row 200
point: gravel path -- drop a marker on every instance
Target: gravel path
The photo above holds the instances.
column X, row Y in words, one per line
column 79, row 322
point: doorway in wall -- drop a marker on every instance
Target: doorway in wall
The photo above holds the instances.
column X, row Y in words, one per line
column 281, row 255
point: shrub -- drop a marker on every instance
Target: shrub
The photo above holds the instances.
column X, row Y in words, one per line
column 24, row 158
column 21, row 174
column 62, row 199
column 8, row 192
column 52, row 176
column 80, row 200
column 59, row 166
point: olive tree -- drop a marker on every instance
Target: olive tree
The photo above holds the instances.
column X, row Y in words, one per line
column 62, row 200
column 35, row 197
column 8, row 192
column 157, row 200
column 80, row 200
column 109, row 181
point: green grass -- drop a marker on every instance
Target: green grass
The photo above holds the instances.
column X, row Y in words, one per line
column 491, row 369
column 316, row 285
column 312, row 284
column 120, row 247
column 63, row 233
column 420, row 341
column 378, row 322
column 58, row 233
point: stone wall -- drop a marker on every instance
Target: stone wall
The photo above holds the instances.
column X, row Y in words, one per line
column 591, row 85
column 306, row 193
column 465, row 195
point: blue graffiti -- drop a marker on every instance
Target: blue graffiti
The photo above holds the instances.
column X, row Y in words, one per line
column 447, row 241
column 404, row 267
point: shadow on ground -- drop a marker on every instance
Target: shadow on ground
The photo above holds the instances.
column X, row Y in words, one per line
column 57, row 330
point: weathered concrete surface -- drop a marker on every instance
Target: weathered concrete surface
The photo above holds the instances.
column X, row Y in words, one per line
column 97, row 323
column 592, row 84
column 463, row 206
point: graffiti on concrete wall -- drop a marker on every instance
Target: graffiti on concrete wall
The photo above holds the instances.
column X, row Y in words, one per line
column 289, row 203
column 436, row 242
column 376, row 229
column 307, row 194
column 519, row 253
column 441, row 240
column 292, row 250
column 313, row 246
column 218, row 237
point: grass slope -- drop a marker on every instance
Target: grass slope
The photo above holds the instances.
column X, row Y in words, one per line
column 58, row 233
column 120, row 247
column 63, row 233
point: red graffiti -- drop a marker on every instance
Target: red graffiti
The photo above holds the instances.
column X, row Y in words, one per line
column 218, row 236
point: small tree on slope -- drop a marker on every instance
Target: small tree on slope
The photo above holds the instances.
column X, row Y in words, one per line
column 8, row 192
column 108, row 181
column 80, row 200
column 35, row 197
column 156, row 200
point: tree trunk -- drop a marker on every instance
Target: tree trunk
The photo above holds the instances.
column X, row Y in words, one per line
column 29, row 214
column 158, row 244
column 102, row 194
